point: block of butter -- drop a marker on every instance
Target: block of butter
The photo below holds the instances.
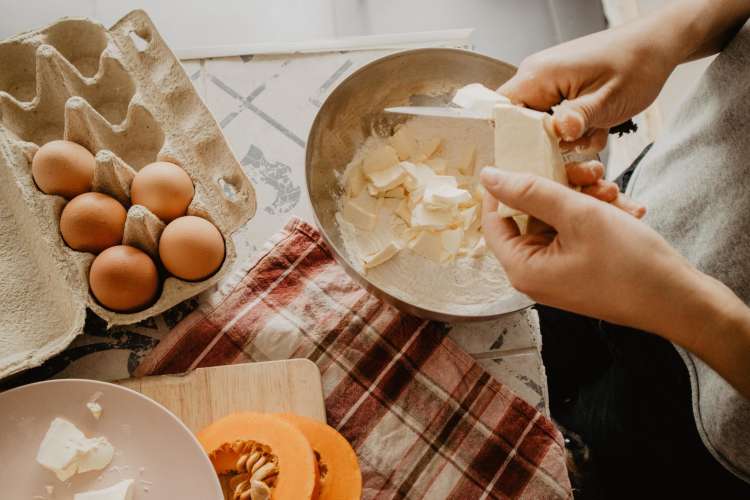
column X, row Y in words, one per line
column 66, row 451
column 525, row 142
column 120, row 491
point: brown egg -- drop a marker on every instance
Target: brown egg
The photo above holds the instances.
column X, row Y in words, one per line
column 191, row 248
column 63, row 168
column 123, row 278
column 164, row 188
column 91, row 222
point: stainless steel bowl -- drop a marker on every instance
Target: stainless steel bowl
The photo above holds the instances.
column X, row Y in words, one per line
column 354, row 111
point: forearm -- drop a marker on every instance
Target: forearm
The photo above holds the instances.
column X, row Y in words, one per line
column 710, row 321
column 691, row 29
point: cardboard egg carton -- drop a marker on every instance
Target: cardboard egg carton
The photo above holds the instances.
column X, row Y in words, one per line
column 122, row 94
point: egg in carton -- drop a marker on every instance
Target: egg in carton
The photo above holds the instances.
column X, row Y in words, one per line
column 123, row 95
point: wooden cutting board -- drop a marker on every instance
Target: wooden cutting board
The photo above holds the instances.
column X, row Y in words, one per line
column 207, row 394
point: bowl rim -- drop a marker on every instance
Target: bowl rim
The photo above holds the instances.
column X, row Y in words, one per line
column 174, row 420
column 507, row 305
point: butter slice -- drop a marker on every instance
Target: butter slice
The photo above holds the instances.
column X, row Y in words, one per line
column 123, row 490
column 361, row 211
column 465, row 162
column 380, row 158
column 479, row 249
column 403, row 211
column 438, row 165
column 409, row 147
column 451, row 239
column 424, row 218
column 469, row 216
column 66, row 451
column 525, row 143
column 437, row 196
column 389, row 178
column 404, row 143
column 428, row 147
column 355, row 181
column 396, row 193
column 419, row 176
column 428, row 244
column 477, row 97
column 386, row 253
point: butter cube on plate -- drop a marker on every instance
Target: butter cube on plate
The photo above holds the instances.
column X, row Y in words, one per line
column 120, row 491
column 66, row 451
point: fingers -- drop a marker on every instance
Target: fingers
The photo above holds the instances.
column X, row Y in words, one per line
column 531, row 88
column 584, row 173
column 572, row 118
column 539, row 197
column 503, row 227
column 591, row 143
column 499, row 232
column 609, row 192
column 632, row 207
column 602, row 190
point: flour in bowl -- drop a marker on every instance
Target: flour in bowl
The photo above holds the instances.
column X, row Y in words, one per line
column 410, row 215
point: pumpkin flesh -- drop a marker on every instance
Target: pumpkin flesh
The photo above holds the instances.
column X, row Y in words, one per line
column 241, row 434
column 340, row 476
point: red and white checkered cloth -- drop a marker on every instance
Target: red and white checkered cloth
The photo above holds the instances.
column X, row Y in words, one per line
column 425, row 420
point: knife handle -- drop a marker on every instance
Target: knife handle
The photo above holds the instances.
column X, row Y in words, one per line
column 625, row 127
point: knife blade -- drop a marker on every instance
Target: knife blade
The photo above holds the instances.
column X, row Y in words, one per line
column 439, row 112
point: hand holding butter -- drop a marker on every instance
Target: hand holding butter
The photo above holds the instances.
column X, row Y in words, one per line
column 525, row 140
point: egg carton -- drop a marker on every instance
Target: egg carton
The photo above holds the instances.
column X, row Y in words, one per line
column 122, row 94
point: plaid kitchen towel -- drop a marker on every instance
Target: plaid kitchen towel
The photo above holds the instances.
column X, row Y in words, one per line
column 425, row 420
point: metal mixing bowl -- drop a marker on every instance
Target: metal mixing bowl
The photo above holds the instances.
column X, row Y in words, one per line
column 354, row 111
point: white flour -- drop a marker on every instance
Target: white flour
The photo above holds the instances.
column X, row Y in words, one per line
column 464, row 286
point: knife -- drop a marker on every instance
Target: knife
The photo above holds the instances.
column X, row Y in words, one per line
column 440, row 112
column 626, row 127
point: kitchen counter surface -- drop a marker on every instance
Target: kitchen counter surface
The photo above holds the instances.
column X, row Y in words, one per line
column 265, row 105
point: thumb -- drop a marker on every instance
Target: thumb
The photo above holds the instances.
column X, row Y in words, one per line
column 542, row 198
column 572, row 118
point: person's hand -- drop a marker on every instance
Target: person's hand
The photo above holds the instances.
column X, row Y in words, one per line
column 594, row 259
column 589, row 176
column 591, row 258
column 592, row 83
column 588, row 257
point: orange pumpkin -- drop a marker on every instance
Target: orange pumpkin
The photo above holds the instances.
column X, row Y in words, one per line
column 261, row 456
column 340, row 476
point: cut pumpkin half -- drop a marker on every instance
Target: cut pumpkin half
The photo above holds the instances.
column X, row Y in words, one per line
column 260, row 456
column 340, row 476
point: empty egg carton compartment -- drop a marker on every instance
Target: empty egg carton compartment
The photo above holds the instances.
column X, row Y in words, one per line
column 122, row 94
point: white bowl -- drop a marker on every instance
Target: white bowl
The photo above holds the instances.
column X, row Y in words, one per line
column 152, row 446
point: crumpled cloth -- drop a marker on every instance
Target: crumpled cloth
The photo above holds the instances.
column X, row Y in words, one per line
column 425, row 419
